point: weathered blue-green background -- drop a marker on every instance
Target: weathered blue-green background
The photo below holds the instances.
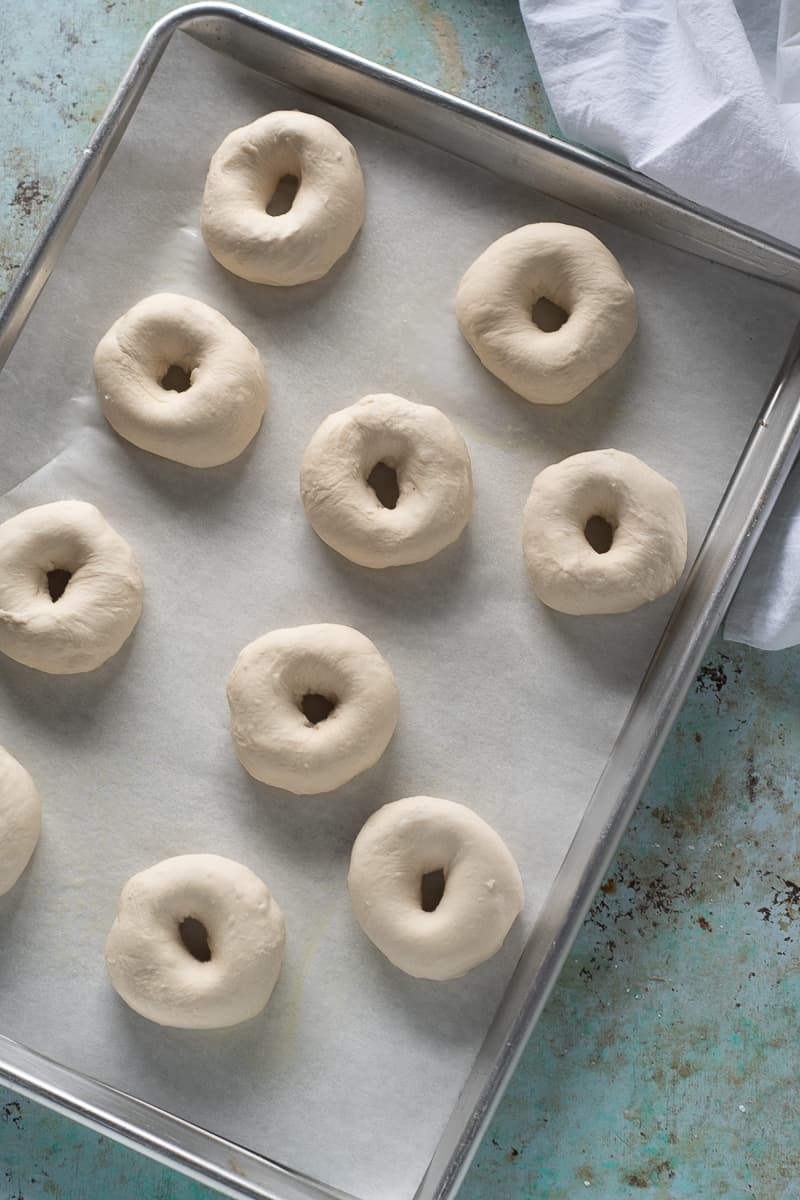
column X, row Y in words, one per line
column 666, row 1063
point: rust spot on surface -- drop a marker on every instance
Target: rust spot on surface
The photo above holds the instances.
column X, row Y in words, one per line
column 28, row 194
column 609, row 887
column 703, row 923
column 785, row 899
column 13, row 1112
column 752, row 778
column 712, row 677
column 655, row 1174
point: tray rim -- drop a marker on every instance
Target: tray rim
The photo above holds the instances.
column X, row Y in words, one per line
column 730, row 539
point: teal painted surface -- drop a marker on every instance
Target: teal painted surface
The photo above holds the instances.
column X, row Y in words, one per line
column 665, row 1064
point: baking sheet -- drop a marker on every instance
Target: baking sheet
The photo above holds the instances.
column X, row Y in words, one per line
column 353, row 1069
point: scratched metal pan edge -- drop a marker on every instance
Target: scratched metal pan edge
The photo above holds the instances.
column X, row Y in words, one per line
column 590, row 183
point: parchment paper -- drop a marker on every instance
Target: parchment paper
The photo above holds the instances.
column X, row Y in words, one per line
column 351, row 1072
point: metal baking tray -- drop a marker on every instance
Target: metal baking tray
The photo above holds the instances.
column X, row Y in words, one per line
column 588, row 183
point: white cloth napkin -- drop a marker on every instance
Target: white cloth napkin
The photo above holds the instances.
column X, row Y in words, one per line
column 703, row 96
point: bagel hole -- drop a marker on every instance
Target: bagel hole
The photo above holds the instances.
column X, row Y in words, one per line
column 282, row 198
column 316, row 707
column 383, row 481
column 194, row 936
column 57, row 581
column 548, row 316
column 176, row 379
column 599, row 533
column 431, row 889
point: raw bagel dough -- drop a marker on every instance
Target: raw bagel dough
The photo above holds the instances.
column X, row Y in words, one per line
column 20, row 820
column 276, row 742
column 569, row 267
column 102, row 600
column 483, row 893
column 160, row 978
column 433, row 471
column 645, row 512
column 328, row 209
column 208, row 423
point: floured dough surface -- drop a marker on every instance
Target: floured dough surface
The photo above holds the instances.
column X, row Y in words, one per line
column 481, row 889
column 645, row 530
column 311, row 707
column 70, row 588
column 176, row 378
column 197, row 943
column 573, row 270
column 326, row 213
column 20, row 820
column 415, row 444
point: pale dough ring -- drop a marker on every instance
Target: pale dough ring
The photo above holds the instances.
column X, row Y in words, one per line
column 326, row 213
column 304, row 745
column 217, row 970
column 20, row 820
column 166, row 340
column 572, row 269
column 65, row 629
column 648, row 534
column 433, row 472
column 482, row 897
